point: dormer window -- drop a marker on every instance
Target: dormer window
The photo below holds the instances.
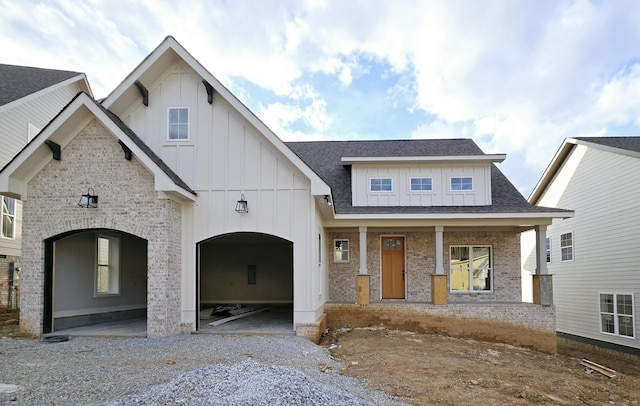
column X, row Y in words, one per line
column 381, row 185
column 178, row 124
column 421, row 184
column 458, row 184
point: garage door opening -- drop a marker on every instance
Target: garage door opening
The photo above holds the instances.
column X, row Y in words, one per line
column 95, row 283
column 245, row 284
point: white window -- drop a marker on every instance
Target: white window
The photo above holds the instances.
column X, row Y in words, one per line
column 32, row 132
column 178, row 124
column 461, row 184
column 380, row 185
column 566, row 246
column 108, row 266
column 341, row 250
column 548, row 249
column 616, row 314
column 8, row 217
column 421, row 184
column 471, row 268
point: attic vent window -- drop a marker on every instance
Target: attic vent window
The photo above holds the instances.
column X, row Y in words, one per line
column 178, row 127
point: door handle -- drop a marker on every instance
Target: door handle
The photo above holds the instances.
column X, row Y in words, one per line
column 403, row 275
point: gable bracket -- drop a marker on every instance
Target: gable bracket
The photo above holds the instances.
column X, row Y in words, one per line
column 55, row 148
column 127, row 151
column 143, row 92
column 209, row 88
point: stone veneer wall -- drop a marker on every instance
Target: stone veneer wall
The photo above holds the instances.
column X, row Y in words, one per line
column 521, row 324
column 127, row 202
column 420, row 265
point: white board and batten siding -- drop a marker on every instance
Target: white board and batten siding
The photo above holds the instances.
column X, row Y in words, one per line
column 227, row 157
column 440, row 195
column 603, row 189
column 36, row 110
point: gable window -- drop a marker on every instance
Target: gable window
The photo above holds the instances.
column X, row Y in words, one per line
column 616, row 314
column 178, row 127
column 108, row 266
column 471, row 268
column 341, row 250
column 461, row 184
column 381, row 185
column 421, row 184
column 548, row 249
column 8, row 217
column 566, row 246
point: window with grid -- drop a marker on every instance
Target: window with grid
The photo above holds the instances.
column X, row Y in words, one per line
column 8, row 217
column 470, row 268
column 341, row 250
column 421, row 184
column 381, row 185
column 178, row 124
column 548, row 249
column 566, row 246
column 616, row 314
column 465, row 183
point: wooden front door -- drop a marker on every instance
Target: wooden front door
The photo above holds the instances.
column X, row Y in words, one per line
column 393, row 267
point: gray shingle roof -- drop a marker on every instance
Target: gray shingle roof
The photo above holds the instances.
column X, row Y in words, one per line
column 628, row 143
column 324, row 158
column 17, row 82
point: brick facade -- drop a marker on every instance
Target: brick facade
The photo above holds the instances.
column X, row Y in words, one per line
column 127, row 203
column 420, row 265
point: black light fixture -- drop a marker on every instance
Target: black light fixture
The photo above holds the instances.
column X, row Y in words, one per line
column 89, row 201
column 327, row 200
column 241, row 206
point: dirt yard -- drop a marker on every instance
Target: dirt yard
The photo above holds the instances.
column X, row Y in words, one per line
column 427, row 369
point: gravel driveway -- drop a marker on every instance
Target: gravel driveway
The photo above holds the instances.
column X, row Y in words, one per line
column 196, row 369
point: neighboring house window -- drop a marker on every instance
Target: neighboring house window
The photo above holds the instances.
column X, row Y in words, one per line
column 381, row 185
column 421, row 184
column 108, row 266
column 8, row 217
column 461, row 184
column 471, row 268
column 548, row 249
column 33, row 131
column 178, row 123
column 616, row 314
column 341, row 250
column 566, row 246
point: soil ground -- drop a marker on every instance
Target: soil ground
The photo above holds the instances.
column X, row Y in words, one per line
column 428, row 369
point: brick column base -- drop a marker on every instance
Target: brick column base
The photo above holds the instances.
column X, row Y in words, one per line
column 439, row 290
column 363, row 284
column 542, row 290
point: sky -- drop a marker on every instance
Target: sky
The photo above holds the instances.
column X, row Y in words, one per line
column 516, row 76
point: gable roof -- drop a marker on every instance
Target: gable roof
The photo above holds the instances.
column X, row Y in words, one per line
column 78, row 112
column 629, row 146
column 17, row 82
column 159, row 60
column 325, row 158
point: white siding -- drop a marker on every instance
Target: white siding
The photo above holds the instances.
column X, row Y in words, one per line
column 441, row 175
column 603, row 188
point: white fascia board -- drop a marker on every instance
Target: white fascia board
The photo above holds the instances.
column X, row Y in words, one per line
column 318, row 186
column 449, row 216
column 552, row 168
column 84, row 86
column 423, row 159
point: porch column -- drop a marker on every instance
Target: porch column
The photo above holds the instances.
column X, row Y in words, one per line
column 542, row 282
column 439, row 291
column 362, row 279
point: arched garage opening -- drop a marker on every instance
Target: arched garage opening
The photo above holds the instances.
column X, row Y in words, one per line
column 95, row 277
column 245, row 283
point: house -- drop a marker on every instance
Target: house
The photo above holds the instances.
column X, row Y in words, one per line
column 170, row 197
column 29, row 99
column 591, row 256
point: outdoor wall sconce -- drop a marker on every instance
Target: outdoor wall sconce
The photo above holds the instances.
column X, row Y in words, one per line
column 241, row 206
column 327, row 200
column 89, row 201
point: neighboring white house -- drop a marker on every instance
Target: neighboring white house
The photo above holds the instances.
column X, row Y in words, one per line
column 29, row 99
column 200, row 204
column 592, row 256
